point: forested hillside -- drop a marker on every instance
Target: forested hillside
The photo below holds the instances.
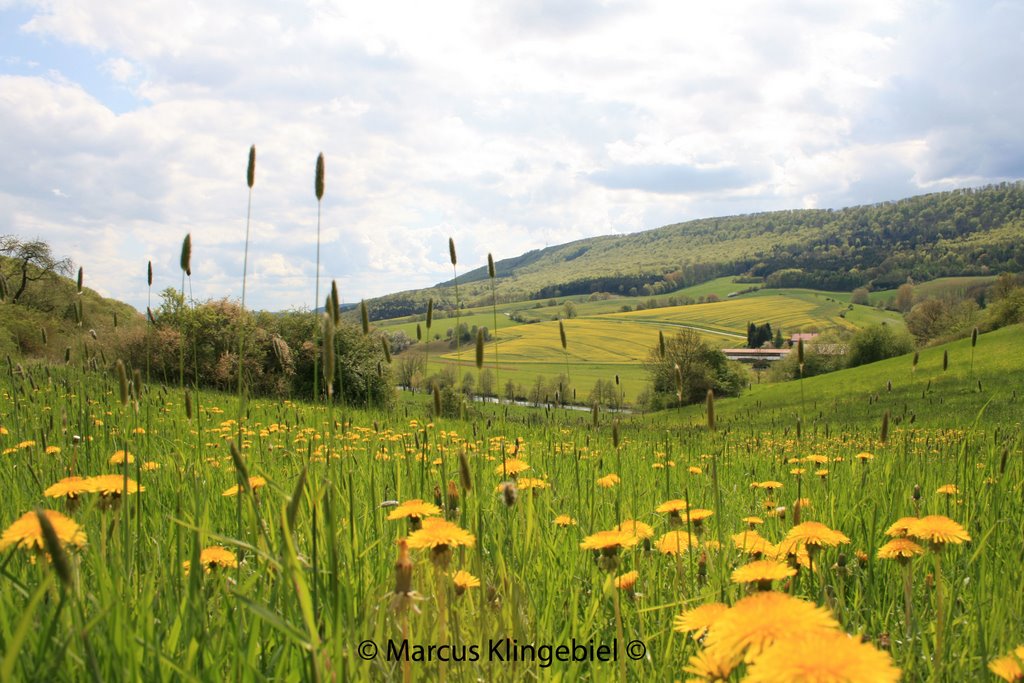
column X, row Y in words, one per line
column 963, row 232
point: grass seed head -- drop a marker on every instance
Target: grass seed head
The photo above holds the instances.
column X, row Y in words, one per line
column 79, row 279
column 54, row 549
column 490, row 266
column 250, row 173
column 364, row 316
column 451, row 250
column 186, row 254
column 122, row 381
column 318, row 183
column 430, row 313
column 479, row 348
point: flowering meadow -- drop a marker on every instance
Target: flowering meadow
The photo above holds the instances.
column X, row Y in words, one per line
column 153, row 535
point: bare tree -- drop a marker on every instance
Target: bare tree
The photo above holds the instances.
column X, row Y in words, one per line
column 33, row 261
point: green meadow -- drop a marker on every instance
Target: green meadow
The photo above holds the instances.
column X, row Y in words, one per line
column 309, row 583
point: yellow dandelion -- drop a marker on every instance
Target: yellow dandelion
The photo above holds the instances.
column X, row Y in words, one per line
column 511, row 467
column 698, row 515
column 255, row 483
column 672, row 506
column 636, row 528
column 627, row 581
column 752, row 521
column 817, row 459
column 608, row 481
column 899, row 549
column 68, row 487
column 463, row 580
column 564, row 521
column 118, row 458
column 938, row 530
column 757, row 621
column 822, row 657
column 676, row 542
column 694, row 470
column 609, row 541
column 438, row 533
column 752, row 543
column 112, row 485
column 150, row 466
column 414, row 508
column 26, row 444
column 707, row 667
column 948, row 490
column 762, row 572
column 52, row 450
column 1008, row 667
column 899, row 528
column 699, row 619
column 214, row 557
column 814, row 534
column 526, row 483
column 864, row 457
column 26, row 532
column 768, row 486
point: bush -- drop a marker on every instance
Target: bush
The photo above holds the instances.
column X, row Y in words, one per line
column 877, row 342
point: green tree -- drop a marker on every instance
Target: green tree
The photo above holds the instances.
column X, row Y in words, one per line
column 700, row 367
column 877, row 342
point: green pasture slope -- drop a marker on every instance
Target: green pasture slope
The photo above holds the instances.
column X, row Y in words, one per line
column 992, row 393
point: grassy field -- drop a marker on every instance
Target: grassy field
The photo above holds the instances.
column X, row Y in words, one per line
column 297, row 572
column 604, row 341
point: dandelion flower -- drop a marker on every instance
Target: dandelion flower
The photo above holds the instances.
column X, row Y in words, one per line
column 511, row 467
column 938, row 530
column 627, row 581
column 676, row 505
column 119, row 457
column 609, row 542
column 608, row 481
column 564, row 521
column 463, row 581
column 948, row 490
column 899, row 528
column 255, row 483
column 414, row 508
column 214, row 557
column 900, row 549
column 68, row 487
column 639, row 529
column 699, row 619
column 752, row 543
column 822, row 657
column 864, row 457
column 527, row 483
column 709, row 668
column 762, row 572
column 757, row 621
column 112, row 485
column 1009, row 666
column 26, row 532
column 52, row 450
column 814, row 535
column 440, row 533
column 675, row 542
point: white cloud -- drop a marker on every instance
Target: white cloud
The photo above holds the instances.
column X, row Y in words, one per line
column 505, row 125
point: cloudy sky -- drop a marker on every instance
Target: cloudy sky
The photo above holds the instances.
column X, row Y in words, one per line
column 506, row 124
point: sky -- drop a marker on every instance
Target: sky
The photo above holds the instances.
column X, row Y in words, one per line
column 507, row 125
